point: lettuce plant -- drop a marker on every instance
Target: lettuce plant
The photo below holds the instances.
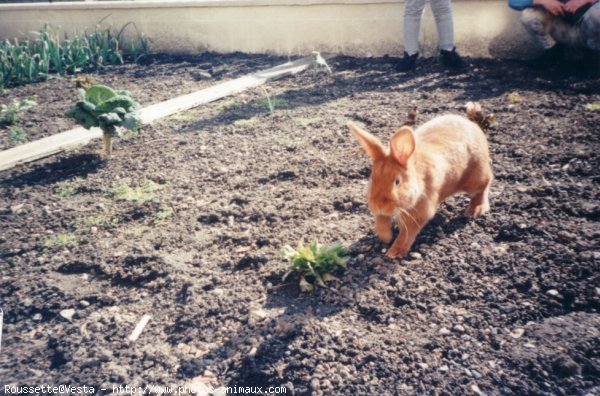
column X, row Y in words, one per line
column 107, row 109
column 316, row 262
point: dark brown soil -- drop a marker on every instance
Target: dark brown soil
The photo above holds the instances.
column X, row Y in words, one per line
column 504, row 304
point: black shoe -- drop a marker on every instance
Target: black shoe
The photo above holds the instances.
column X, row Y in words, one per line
column 549, row 58
column 407, row 63
column 452, row 60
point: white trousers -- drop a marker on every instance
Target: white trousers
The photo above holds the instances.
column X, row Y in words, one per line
column 413, row 11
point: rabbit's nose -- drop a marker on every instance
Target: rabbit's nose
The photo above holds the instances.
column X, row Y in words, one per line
column 382, row 208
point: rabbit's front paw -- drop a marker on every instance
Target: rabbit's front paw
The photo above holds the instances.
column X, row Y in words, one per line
column 383, row 228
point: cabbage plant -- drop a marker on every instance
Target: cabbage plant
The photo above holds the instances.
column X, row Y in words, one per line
column 107, row 109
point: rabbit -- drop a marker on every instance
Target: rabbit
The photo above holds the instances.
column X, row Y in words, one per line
column 420, row 169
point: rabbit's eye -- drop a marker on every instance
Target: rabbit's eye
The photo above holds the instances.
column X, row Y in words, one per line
column 397, row 182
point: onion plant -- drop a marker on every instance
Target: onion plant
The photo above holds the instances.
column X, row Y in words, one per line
column 45, row 53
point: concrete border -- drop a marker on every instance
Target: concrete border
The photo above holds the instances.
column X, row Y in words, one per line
column 72, row 138
column 284, row 27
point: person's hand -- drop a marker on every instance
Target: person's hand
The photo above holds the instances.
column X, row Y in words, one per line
column 554, row 7
column 573, row 5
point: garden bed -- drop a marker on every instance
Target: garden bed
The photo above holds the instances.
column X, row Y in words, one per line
column 187, row 221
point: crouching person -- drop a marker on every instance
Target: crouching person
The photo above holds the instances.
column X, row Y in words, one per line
column 553, row 24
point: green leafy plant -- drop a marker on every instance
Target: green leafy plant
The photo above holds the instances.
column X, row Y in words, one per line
column 45, row 53
column 16, row 135
column 11, row 113
column 108, row 109
column 316, row 263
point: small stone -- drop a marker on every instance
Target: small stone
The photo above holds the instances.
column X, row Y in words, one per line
column 327, row 384
column 16, row 208
column 208, row 373
column 517, row 333
column 529, row 345
column 459, row 328
column 84, row 303
column 598, row 291
column 37, row 317
column 105, row 355
column 314, row 384
column 476, row 390
column 424, row 366
column 444, row 331
column 415, row 255
column 552, row 292
column 444, row 368
column 67, row 313
column 93, row 229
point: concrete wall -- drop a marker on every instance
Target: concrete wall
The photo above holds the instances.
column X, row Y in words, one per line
column 286, row 27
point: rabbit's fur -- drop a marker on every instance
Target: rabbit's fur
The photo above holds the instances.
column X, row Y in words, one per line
column 421, row 168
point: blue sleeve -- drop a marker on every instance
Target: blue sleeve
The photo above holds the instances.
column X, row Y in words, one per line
column 520, row 4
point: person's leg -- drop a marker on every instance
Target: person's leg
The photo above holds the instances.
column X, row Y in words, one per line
column 538, row 22
column 590, row 36
column 413, row 11
column 590, row 28
column 442, row 11
column 549, row 31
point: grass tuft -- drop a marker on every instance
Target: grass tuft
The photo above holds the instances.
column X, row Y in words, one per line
column 143, row 193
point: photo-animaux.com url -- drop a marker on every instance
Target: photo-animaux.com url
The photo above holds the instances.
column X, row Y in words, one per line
column 144, row 390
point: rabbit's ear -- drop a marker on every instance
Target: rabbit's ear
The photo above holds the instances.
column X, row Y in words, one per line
column 402, row 145
column 370, row 143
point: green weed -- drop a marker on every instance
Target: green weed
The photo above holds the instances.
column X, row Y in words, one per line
column 246, row 122
column 101, row 220
column 274, row 103
column 59, row 241
column 316, row 262
column 16, row 135
column 306, row 122
column 67, row 188
column 162, row 215
column 10, row 114
column 514, row 98
column 143, row 193
column 593, row 107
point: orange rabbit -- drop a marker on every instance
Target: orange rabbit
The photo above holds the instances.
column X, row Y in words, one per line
column 420, row 169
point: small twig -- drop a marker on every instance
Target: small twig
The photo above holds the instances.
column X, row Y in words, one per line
column 139, row 328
